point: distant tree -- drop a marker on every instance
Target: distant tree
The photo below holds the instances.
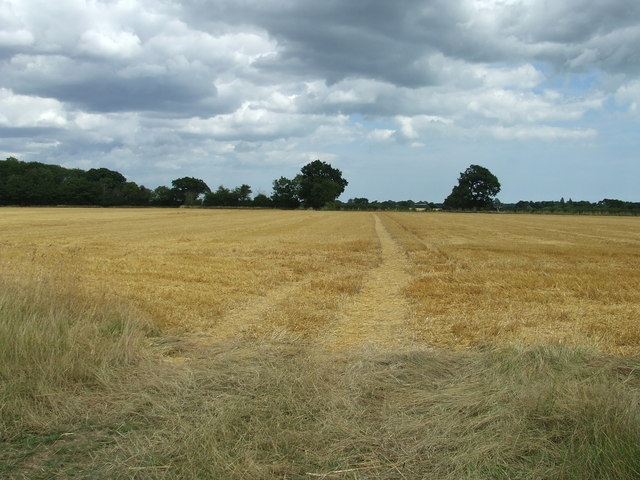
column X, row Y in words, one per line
column 222, row 197
column 105, row 175
column 130, row 193
column 77, row 190
column 41, row 186
column 358, row 204
column 29, row 183
column 612, row 204
column 164, row 197
column 243, row 194
column 476, row 189
column 285, row 193
column 107, row 186
column 405, row 205
column 261, row 200
column 34, row 183
column 320, row 184
column 188, row 189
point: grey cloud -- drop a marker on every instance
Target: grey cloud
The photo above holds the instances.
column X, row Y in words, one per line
column 389, row 41
column 570, row 21
column 28, row 132
column 336, row 39
column 576, row 35
column 112, row 94
column 272, row 79
column 105, row 87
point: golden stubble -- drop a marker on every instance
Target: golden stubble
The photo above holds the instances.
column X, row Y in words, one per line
column 486, row 279
column 445, row 280
column 194, row 270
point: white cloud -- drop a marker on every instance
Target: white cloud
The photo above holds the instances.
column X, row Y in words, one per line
column 27, row 111
column 380, row 135
column 513, row 106
column 15, row 38
column 185, row 84
column 122, row 128
column 109, row 44
column 411, row 128
column 629, row 94
column 256, row 123
column 539, row 132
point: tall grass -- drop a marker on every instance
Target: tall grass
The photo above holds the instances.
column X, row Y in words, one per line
column 272, row 411
column 83, row 397
column 53, row 342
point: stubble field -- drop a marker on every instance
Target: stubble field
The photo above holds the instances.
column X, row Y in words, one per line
column 344, row 279
column 259, row 344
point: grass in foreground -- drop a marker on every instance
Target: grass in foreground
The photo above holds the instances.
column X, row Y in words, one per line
column 82, row 397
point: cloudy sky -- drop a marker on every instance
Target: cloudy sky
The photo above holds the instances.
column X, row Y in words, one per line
column 401, row 95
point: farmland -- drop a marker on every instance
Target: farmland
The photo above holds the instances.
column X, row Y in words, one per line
column 344, row 279
column 261, row 344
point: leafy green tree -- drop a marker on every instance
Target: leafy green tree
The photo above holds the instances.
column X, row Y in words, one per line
column 34, row 183
column 107, row 186
column 476, row 190
column 30, row 183
column 222, row 197
column 42, row 189
column 14, row 190
column 261, row 200
column 243, row 194
column 164, row 197
column 188, row 189
column 320, row 184
column 77, row 190
column 130, row 193
column 110, row 177
column 285, row 193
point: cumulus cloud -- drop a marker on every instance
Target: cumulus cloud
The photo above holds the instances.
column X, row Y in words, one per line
column 109, row 44
column 171, row 85
column 539, row 132
column 19, row 111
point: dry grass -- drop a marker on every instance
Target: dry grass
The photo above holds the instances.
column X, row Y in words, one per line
column 55, row 341
column 277, row 411
column 189, row 269
column 317, row 345
column 482, row 279
column 271, row 411
column 473, row 279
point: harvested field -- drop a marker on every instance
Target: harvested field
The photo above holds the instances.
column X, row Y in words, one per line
column 188, row 344
column 342, row 280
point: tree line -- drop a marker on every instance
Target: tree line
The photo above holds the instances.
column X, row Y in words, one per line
column 606, row 206
column 318, row 185
column 35, row 183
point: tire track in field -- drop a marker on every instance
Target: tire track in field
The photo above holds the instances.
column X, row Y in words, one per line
column 379, row 315
column 250, row 318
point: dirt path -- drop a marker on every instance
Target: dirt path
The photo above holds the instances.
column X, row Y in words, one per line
column 379, row 314
column 250, row 319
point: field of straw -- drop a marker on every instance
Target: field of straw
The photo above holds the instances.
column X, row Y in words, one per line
column 344, row 279
column 260, row 344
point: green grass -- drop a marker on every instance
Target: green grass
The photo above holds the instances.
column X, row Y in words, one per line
column 83, row 397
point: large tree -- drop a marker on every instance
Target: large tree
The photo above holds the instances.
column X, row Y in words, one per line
column 188, row 189
column 320, row 184
column 285, row 193
column 476, row 190
column 243, row 194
